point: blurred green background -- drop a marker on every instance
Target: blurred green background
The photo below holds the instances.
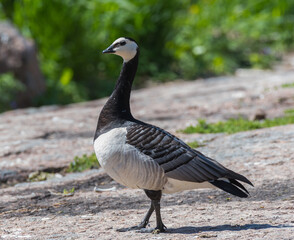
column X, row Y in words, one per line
column 178, row 39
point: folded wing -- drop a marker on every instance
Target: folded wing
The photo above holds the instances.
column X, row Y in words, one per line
column 179, row 161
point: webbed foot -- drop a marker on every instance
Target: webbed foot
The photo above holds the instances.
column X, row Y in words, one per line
column 159, row 228
column 142, row 225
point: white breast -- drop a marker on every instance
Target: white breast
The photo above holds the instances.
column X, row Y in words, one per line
column 125, row 164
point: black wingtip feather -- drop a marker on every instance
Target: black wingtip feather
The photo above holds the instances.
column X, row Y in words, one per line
column 234, row 175
column 233, row 181
column 231, row 188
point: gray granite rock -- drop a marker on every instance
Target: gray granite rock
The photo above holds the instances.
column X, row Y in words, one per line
column 18, row 55
column 50, row 137
column 39, row 138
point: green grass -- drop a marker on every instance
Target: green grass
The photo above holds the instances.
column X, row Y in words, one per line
column 288, row 85
column 238, row 125
column 85, row 162
column 195, row 144
column 40, row 176
column 289, row 111
column 68, row 192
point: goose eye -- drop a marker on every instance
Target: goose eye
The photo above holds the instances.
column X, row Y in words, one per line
column 123, row 43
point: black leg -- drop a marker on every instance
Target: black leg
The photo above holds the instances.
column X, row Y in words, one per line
column 155, row 197
column 145, row 220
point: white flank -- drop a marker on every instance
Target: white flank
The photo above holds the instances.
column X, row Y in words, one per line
column 125, row 164
column 173, row 185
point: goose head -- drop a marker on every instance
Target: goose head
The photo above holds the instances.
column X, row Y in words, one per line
column 125, row 47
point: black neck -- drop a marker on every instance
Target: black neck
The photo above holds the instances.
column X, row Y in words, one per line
column 118, row 105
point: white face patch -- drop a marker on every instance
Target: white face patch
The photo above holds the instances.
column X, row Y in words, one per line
column 127, row 51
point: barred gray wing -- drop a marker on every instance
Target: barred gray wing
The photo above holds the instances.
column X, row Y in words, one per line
column 178, row 160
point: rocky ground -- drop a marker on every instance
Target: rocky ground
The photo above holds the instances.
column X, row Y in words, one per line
column 48, row 139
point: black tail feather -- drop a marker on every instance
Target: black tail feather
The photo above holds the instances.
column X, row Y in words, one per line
column 232, row 187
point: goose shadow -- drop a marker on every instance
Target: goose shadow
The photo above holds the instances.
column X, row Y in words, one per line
column 225, row 227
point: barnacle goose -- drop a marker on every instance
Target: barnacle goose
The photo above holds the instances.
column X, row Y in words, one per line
column 140, row 155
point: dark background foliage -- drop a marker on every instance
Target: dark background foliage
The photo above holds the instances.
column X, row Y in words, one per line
column 178, row 39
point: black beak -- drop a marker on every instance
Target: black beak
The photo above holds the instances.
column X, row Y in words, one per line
column 109, row 50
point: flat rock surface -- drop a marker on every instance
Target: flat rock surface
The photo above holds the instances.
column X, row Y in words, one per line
column 50, row 137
